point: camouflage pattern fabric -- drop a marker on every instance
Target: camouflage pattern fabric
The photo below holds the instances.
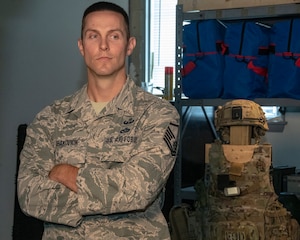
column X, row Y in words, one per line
column 125, row 155
column 255, row 214
column 183, row 223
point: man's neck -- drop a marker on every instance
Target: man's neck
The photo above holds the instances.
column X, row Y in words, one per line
column 104, row 89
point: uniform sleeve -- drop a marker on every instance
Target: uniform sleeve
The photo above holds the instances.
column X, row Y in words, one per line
column 138, row 181
column 39, row 196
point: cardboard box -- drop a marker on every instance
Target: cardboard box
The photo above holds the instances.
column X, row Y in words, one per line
column 240, row 135
column 190, row 5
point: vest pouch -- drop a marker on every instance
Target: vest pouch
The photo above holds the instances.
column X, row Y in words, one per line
column 228, row 230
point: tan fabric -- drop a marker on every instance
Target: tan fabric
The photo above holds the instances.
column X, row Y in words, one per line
column 98, row 106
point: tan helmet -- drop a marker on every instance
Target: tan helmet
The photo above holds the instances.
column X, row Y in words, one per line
column 240, row 112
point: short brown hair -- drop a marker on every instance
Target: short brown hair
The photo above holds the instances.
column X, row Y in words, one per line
column 102, row 6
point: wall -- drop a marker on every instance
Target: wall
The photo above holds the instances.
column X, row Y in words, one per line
column 39, row 62
column 286, row 144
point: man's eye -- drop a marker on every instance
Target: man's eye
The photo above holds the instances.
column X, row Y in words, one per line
column 92, row 36
column 114, row 36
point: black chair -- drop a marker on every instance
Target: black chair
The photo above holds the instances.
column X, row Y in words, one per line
column 25, row 227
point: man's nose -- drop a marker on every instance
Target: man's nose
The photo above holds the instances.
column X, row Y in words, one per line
column 104, row 45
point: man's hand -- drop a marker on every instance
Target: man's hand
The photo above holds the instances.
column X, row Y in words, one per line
column 65, row 174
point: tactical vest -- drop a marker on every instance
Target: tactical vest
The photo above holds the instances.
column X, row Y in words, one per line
column 237, row 201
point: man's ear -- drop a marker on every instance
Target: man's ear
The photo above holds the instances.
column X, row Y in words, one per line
column 131, row 45
column 80, row 46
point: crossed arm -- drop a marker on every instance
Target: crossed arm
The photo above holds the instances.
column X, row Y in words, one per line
column 117, row 189
column 65, row 174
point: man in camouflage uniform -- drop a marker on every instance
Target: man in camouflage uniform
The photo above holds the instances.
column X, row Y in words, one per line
column 94, row 164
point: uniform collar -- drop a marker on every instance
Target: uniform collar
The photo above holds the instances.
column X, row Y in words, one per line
column 124, row 101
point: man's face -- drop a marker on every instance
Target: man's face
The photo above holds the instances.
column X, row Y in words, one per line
column 104, row 44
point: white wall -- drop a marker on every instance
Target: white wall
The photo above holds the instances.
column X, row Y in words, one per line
column 39, row 62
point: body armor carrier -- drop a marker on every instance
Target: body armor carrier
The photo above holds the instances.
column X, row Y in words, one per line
column 236, row 199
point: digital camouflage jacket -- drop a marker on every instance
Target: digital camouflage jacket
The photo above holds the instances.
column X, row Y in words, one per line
column 124, row 154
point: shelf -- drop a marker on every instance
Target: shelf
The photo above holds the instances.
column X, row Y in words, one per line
column 276, row 126
column 189, row 193
column 262, row 12
column 282, row 102
column 244, row 13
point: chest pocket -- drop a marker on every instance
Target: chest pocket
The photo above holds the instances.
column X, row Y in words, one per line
column 71, row 151
column 117, row 148
column 115, row 136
